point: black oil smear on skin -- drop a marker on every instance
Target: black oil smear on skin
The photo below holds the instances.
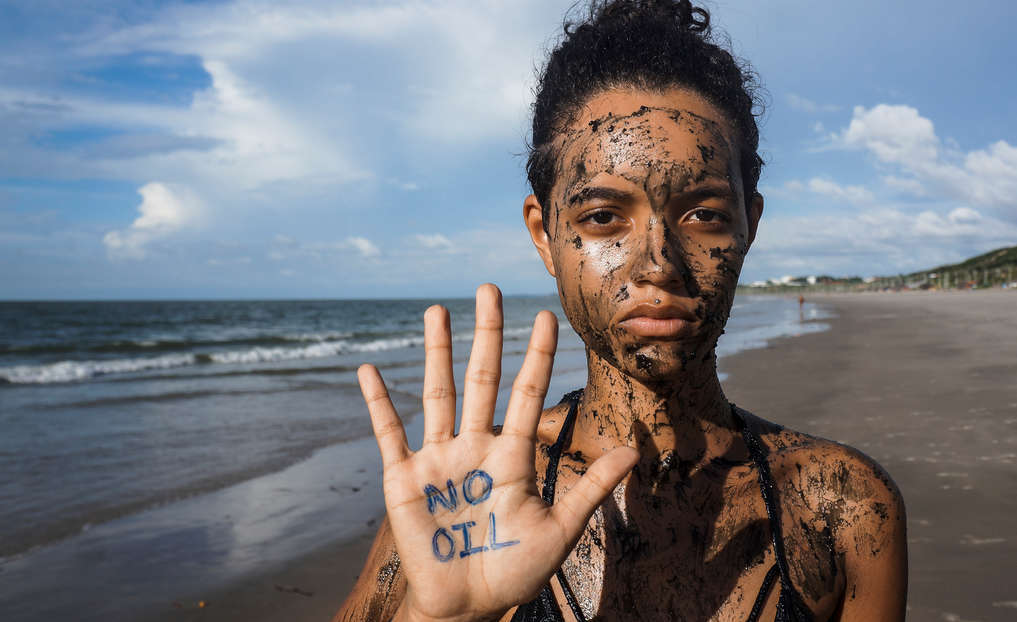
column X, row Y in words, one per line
column 687, row 519
column 572, row 136
column 707, row 151
column 644, row 363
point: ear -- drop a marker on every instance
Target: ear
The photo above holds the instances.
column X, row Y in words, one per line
column 754, row 211
column 533, row 216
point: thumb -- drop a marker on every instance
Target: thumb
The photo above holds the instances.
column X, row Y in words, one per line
column 574, row 509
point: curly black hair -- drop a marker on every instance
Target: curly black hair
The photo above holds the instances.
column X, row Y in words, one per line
column 649, row 44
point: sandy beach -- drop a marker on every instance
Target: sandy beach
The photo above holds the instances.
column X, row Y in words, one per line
column 925, row 383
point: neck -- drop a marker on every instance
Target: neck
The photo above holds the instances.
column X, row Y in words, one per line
column 687, row 415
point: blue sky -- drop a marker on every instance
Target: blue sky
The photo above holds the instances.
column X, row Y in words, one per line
column 373, row 149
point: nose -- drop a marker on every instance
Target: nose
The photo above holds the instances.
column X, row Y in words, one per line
column 660, row 261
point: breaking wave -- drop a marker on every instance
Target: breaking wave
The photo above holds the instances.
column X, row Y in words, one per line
column 319, row 347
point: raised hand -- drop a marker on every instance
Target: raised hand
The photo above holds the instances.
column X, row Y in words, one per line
column 473, row 534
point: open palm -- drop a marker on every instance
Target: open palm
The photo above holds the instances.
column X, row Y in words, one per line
column 474, row 536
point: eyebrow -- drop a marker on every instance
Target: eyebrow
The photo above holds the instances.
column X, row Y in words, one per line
column 604, row 193
column 722, row 191
column 600, row 192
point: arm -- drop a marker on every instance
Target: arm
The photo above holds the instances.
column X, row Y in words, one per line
column 381, row 586
column 875, row 546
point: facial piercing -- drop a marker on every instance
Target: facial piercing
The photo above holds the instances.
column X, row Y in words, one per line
column 656, row 301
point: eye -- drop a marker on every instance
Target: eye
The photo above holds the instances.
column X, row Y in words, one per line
column 600, row 217
column 705, row 215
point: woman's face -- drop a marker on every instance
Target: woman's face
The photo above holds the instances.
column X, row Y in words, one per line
column 647, row 229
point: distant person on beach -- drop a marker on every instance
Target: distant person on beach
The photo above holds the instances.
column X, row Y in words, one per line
column 646, row 495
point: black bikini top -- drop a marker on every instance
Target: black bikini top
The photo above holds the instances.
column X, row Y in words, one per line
column 790, row 607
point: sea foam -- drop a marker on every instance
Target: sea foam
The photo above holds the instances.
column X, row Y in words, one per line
column 319, row 347
column 69, row 371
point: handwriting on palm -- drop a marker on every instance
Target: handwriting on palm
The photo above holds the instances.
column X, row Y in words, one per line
column 473, row 534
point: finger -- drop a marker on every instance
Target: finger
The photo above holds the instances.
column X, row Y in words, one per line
column 573, row 510
column 388, row 429
column 439, row 383
column 530, row 386
column 483, row 372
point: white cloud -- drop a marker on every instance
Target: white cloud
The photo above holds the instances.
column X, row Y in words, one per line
column 163, row 210
column 995, row 173
column 489, row 252
column 961, row 221
column 895, row 134
column 461, row 69
column 282, row 118
column 409, row 186
column 853, row 194
column 804, row 104
column 295, row 111
column 964, row 216
column 234, row 137
column 873, row 241
column 262, row 143
column 825, row 187
column 899, row 137
column 365, row 247
column 433, row 241
column 958, row 203
column 908, row 186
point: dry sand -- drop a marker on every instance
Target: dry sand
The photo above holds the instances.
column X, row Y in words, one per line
column 925, row 383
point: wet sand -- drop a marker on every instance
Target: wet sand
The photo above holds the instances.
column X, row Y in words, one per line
column 925, row 383
column 308, row 589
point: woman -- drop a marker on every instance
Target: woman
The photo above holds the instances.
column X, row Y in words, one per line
column 646, row 494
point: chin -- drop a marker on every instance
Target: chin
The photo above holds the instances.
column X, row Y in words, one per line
column 666, row 362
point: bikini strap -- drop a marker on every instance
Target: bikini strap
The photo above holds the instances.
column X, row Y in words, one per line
column 554, row 453
column 551, row 478
column 764, row 593
column 569, row 596
column 769, row 490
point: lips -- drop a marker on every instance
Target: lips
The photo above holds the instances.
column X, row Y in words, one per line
column 667, row 320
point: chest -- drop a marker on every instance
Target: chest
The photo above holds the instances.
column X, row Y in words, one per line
column 677, row 546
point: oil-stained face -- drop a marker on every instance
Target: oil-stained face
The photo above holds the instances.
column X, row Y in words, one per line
column 648, row 228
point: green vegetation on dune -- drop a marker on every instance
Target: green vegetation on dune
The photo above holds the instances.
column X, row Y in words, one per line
column 996, row 268
column 999, row 258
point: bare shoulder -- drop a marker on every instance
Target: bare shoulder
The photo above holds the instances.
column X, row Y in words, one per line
column 834, row 480
column 381, row 586
column 839, row 501
column 828, row 473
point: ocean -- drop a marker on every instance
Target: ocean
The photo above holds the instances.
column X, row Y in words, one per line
column 152, row 448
